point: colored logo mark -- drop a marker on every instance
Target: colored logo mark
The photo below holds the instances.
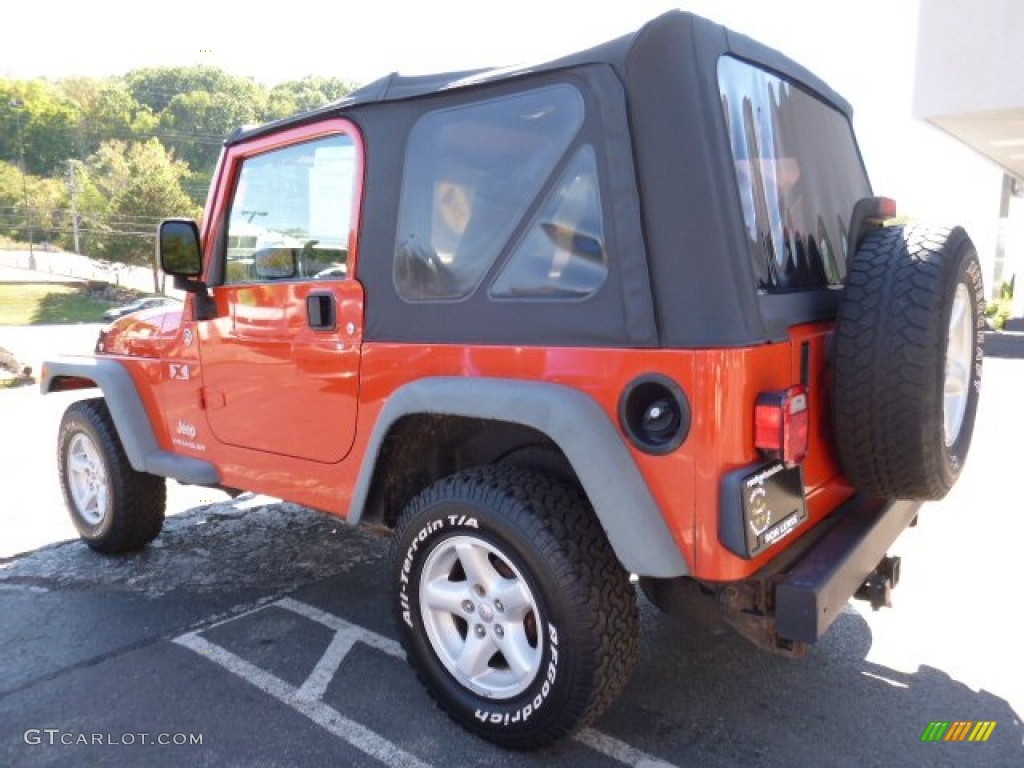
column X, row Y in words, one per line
column 958, row 730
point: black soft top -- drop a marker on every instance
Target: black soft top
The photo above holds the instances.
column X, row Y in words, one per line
column 397, row 87
column 682, row 275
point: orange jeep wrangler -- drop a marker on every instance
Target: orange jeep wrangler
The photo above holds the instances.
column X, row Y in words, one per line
column 631, row 315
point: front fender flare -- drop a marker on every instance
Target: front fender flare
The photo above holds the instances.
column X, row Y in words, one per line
column 575, row 422
column 130, row 418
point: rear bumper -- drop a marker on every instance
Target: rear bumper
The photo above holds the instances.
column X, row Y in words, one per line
column 814, row 591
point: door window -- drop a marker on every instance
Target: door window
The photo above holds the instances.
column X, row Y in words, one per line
column 291, row 215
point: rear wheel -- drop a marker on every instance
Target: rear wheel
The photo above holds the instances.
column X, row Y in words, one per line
column 114, row 508
column 511, row 605
column 908, row 357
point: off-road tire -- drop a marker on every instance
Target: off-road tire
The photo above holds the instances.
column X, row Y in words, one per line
column 132, row 511
column 542, row 533
column 892, row 348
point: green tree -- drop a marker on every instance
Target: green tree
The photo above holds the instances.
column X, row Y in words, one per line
column 90, row 207
column 12, row 201
column 50, row 215
column 36, row 117
column 196, row 108
column 156, row 87
column 148, row 137
column 142, row 183
column 107, row 110
column 195, row 125
column 303, row 95
column 32, row 202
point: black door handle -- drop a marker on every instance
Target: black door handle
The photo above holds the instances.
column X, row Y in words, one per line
column 320, row 311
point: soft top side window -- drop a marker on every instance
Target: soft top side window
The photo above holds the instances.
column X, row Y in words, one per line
column 798, row 172
column 471, row 173
column 563, row 255
column 290, row 216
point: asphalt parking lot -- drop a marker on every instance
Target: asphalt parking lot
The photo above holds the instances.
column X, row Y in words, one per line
column 255, row 633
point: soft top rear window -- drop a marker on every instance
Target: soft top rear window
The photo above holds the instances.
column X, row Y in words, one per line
column 799, row 174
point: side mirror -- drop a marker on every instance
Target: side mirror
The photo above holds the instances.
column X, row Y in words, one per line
column 178, row 248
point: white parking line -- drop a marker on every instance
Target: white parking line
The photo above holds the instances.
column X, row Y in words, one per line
column 338, row 624
column 316, row 684
column 328, row 718
column 307, row 697
column 619, row 750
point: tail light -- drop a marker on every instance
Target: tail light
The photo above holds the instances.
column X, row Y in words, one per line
column 780, row 425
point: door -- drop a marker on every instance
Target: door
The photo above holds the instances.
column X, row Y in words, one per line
column 280, row 359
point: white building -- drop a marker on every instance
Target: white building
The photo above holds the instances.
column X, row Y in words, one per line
column 970, row 84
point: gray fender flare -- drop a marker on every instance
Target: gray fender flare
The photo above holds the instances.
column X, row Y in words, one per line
column 130, row 418
column 578, row 426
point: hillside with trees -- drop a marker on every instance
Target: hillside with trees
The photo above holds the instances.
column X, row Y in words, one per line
column 104, row 159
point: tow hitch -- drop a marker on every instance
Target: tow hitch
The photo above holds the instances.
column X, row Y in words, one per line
column 877, row 587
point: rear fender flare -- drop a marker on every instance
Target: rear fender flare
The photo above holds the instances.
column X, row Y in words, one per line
column 582, row 430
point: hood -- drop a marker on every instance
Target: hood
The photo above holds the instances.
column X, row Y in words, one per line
column 140, row 334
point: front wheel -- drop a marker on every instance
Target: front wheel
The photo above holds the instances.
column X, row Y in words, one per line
column 511, row 605
column 114, row 507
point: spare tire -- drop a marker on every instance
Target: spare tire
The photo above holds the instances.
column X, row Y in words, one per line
column 907, row 361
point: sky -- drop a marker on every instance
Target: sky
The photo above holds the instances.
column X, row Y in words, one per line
column 865, row 50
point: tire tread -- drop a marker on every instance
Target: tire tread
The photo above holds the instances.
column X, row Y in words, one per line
column 138, row 499
column 562, row 526
column 889, row 362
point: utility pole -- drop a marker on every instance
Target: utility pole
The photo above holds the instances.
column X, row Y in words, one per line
column 18, row 105
column 74, row 203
